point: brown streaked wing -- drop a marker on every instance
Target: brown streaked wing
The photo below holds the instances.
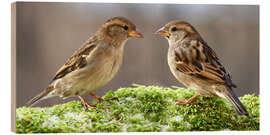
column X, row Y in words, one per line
column 77, row 60
column 198, row 59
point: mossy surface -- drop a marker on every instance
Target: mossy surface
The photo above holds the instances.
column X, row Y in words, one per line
column 140, row 109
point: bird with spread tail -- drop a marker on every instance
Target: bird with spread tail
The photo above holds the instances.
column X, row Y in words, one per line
column 196, row 65
column 92, row 65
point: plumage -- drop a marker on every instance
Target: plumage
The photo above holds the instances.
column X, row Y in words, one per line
column 77, row 60
column 196, row 65
column 92, row 65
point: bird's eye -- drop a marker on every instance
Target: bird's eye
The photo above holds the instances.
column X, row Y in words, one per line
column 125, row 27
column 173, row 29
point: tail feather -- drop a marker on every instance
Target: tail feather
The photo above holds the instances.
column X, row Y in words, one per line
column 239, row 107
column 39, row 97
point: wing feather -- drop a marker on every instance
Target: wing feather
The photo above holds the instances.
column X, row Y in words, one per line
column 195, row 57
column 77, row 60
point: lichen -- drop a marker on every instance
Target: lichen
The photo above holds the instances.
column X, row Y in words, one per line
column 140, row 109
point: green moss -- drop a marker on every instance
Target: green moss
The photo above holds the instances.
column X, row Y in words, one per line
column 140, row 109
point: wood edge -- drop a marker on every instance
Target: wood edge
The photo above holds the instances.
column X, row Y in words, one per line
column 13, row 66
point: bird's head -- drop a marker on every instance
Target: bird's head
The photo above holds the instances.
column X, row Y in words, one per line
column 119, row 29
column 177, row 30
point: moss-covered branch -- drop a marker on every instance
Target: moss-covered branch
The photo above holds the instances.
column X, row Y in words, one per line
column 140, row 108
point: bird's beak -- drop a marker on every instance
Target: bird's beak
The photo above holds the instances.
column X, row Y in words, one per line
column 163, row 32
column 135, row 34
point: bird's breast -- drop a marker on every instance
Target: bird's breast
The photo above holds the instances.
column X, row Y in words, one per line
column 105, row 69
column 181, row 77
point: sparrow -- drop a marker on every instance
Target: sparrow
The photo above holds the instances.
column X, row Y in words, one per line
column 93, row 65
column 196, row 65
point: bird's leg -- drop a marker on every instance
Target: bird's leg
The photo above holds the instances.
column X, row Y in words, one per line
column 189, row 101
column 101, row 99
column 96, row 97
column 85, row 104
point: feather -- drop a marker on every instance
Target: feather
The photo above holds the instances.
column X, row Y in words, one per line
column 203, row 62
column 77, row 60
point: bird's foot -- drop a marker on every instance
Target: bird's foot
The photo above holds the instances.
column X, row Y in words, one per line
column 188, row 101
column 184, row 102
column 86, row 105
column 113, row 98
column 101, row 99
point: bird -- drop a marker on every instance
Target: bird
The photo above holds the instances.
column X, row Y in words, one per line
column 93, row 65
column 196, row 65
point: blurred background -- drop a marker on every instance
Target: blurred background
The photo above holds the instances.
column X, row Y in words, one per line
column 49, row 33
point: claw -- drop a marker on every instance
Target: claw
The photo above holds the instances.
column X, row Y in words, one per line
column 101, row 99
column 188, row 101
column 85, row 104
column 184, row 102
column 113, row 98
